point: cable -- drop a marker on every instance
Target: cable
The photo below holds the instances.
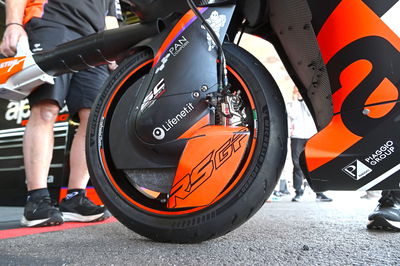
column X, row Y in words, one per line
column 222, row 72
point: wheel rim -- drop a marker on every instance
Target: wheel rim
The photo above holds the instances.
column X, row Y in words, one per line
column 135, row 196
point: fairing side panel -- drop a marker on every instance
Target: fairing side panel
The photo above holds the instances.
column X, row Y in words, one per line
column 171, row 98
column 360, row 148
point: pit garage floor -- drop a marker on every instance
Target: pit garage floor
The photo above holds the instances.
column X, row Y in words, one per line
column 281, row 233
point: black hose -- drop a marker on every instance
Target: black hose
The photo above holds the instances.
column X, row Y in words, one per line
column 93, row 50
column 222, row 72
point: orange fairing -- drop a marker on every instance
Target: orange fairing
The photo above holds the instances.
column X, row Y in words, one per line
column 336, row 138
column 10, row 66
column 385, row 92
column 349, row 22
column 201, row 123
column 207, row 165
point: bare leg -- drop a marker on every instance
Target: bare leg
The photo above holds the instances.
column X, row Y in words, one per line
column 38, row 144
column 79, row 175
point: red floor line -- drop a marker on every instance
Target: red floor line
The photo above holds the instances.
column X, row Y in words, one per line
column 11, row 233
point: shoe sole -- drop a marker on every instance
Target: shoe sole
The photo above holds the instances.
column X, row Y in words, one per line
column 323, row 200
column 52, row 221
column 75, row 217
column 380, row 223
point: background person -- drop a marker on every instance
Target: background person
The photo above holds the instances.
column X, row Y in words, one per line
column 387, row 214
column 48, row 23
column 301, row 127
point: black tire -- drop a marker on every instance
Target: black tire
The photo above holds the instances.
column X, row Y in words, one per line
column 242, row 201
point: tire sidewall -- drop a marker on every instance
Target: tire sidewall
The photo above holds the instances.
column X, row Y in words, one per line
column 238, row 205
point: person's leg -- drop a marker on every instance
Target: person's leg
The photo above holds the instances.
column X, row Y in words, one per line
column 84, row 88
column 79, row 175
column 45, row 102
column 38, row 151
column 297, row 146
column 387, row 214
column 76, row 207
column 38, row 144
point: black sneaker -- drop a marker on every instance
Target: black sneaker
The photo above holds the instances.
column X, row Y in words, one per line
column 321, row 197
column 80, row 209
column 386, row 216
column 297, row 198
column 41, row 212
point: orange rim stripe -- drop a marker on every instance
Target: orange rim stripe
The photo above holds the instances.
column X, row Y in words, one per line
column 111, row 178
column 123, row 82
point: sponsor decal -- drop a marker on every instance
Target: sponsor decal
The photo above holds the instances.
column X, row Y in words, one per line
column 153, row 95
column 174, row 50
column 381, row 154
column 18, row 111
column 50, row 179
column 216, row 21
column 357, row 170
column 160, row 132
column 164, row 61
column 178, row 46
column 101, row 132
column 206, row 168
column 10, row 64
column 71, row 195
column 37, row 47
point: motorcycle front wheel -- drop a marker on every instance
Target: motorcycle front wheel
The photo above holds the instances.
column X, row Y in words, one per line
column 249, row 188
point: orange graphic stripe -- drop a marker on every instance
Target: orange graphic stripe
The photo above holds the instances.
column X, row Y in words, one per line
column 350, row 21
column 336, row 138
column 10, row 66
column 385, row 92
column 207, row 165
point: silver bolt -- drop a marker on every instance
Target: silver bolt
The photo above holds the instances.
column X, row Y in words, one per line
column 204, row 88
column 366, row 112
column 196, row 94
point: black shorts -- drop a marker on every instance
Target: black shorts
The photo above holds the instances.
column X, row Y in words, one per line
column 77, row 90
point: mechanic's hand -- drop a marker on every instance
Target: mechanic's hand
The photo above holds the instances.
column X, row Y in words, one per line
column 112, row 66
column 12, row 34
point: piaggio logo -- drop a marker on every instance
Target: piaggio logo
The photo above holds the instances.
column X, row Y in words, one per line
column 357, row 170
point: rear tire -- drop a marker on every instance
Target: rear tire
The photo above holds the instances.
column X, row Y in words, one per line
column 242, row 200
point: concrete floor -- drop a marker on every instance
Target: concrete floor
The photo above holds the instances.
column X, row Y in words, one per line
column 281, row 233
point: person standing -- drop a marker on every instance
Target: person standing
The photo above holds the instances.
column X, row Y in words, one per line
column 301, row 127
column 47, row 24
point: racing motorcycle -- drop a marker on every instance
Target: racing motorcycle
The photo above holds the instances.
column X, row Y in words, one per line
column 189, row 135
